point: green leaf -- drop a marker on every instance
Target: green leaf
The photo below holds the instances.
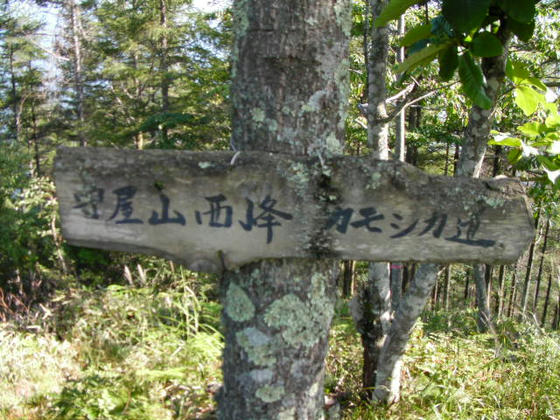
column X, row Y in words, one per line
column 394, row 10
column 424, row 55
column 416, row 34
column 553, row 118
column 505, row 140
column 520, row 10
column 448, row 62
column 472, row 80
column 486, row 44
column 514, row 156
column 465, row 15
column 532, row 129
column 528, row 99
column 517, row 71
column 524, row 31
column 538, row 83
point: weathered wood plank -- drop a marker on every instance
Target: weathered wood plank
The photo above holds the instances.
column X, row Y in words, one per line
column 208, row 213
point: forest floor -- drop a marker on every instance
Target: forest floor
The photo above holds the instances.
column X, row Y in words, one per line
column 151, row 352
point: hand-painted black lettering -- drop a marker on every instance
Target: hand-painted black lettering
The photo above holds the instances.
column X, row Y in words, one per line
column 124, row 206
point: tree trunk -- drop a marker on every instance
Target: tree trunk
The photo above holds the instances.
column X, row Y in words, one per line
column 289, row 93
column 541, row 264
column 513, row 291
column 484, row 318
column 501, row 285
column 546, row 300
column 556, row 321
column 372, row 305
column 164, row 65
column 75, row 23
column 378, row 131
column 446, row 287
column 488, row 278
column 526, row 283
column 410, row 308
column 475, row 143
column 347, row 278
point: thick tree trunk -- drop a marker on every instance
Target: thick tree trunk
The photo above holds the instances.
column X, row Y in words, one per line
column 289, row 94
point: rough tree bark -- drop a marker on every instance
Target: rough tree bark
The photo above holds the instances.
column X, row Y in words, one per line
column 384, row 340
column 289, row 94
column 371, row 307
column 474, row 148
column 410, row 307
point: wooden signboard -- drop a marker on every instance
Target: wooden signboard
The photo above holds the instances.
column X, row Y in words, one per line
column 215, row 210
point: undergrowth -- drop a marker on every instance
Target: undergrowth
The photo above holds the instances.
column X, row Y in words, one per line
column 126, row 352
column 452, row 372
column 150, row 351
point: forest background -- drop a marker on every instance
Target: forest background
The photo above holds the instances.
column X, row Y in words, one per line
column 94, row 334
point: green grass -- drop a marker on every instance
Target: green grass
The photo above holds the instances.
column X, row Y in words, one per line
column 153, row 352
column 120, row 352
column 452, row 372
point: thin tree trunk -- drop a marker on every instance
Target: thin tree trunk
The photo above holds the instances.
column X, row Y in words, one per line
column 373, row 301
column 400, row 149
column 484, row 319
column 556, row 321
column 396, row 285
column 277, row 313
column 446, row 287
column 474, row 148
column 526, row 284
column 466, row 292
column 15, row 97
column 347, row 278
column 78, row 76
column 541, row 264
column 410, row 308
column 378, row 131
column 546, row 300
column 501, row 292
column 513, row 290
column 488, row 277
column 164, row 65
column 435, row 293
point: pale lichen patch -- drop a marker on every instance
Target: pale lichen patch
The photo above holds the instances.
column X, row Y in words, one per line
column 342, row 10
column 257, row 346
column 302, row 324
column 270, row 393
column 258, row 115
column 205, row 165
column 238, row 305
